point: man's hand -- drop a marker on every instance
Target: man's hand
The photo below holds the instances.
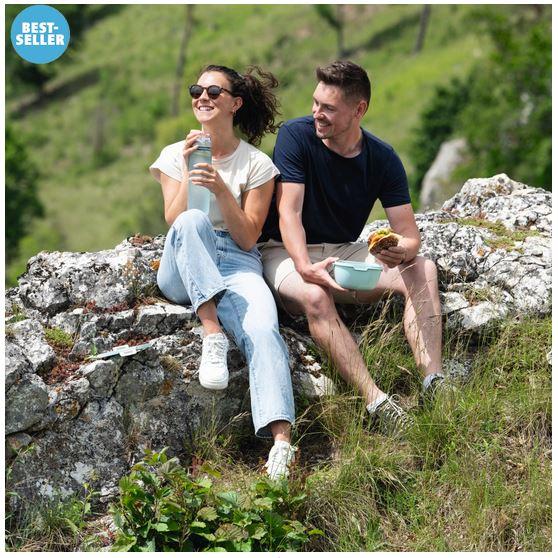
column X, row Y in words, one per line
column 317, row 273
column 392, row 256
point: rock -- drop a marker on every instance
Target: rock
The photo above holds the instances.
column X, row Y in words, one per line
column 502, row 200
column 16, row 364
column 69, row 322
column 28, row 335
column 162, row 318
column 91, row 448
column 492, row 247
column 26, row 403
column 452, row 301
column 102, row 376
column 476, row 318
column 481, row 251
column 438, row 183
column 16, row 442
column 55, row 281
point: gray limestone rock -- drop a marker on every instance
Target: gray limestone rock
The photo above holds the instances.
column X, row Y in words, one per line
column 438, row 183
column 28, row 335
column 91, row 448
column 16, row 364
column 492, row 248
column 102, row 376
column 26, row 404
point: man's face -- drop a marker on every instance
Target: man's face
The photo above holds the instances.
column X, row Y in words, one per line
column 333, row 114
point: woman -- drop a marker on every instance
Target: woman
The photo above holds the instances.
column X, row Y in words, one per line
column 211, row 262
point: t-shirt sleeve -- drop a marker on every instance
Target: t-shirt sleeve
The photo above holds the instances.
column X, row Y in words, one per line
column 168, row 162
column 395, row 188
column 262, row 169
column 288, row 155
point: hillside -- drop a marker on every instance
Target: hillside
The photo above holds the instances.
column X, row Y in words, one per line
column 93, row 146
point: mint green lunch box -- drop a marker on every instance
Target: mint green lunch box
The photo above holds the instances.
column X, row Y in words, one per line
column 356, row 276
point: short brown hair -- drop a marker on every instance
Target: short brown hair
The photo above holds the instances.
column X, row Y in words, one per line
column 349, row 77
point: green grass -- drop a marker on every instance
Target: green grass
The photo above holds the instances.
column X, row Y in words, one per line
column 94, row 201
column 504, row 237
column 61, row 526
column 474, row 474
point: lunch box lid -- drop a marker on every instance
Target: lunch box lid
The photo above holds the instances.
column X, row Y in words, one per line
column 357, row 266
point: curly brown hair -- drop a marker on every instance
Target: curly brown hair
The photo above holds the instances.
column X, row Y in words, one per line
column 260, row 106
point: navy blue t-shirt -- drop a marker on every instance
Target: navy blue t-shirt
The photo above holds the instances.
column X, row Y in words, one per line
column 339, row 192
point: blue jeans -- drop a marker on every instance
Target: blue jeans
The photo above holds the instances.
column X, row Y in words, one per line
column 199, row 264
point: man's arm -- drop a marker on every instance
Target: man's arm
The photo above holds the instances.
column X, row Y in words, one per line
column 402, row 221
column 290, row 198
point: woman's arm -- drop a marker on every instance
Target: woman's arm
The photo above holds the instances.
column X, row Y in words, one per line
column 245, row 222
column 175, row 196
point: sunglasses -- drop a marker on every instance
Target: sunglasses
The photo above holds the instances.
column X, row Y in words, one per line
column 213, row 91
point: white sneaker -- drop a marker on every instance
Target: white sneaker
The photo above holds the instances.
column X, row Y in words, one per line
column 280, row 457
column 213, row 371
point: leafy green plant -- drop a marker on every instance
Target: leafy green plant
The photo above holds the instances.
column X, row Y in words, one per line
column 161, row 508
column 58, row 338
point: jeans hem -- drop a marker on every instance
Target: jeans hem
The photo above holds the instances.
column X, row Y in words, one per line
column 207, row 298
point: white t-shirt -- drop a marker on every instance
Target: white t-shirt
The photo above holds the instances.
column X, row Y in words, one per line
column 244, row 169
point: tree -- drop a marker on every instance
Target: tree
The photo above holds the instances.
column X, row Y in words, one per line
column 508, row 120
column 438, row 122
column 179, row 76
column 335, row 18
column 25, row 76
column 22, row 202
column 424, row 19
column 503, row 108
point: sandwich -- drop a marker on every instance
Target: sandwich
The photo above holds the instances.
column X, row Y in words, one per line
column 382, row 239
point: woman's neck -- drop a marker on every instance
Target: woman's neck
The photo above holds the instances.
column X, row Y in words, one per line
column 223, row 140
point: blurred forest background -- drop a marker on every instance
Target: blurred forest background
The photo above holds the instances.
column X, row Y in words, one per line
column 82, row 131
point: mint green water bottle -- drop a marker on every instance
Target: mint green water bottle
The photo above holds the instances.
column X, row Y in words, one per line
column 198, row 196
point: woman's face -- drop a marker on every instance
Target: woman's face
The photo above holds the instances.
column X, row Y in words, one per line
column 214, row 110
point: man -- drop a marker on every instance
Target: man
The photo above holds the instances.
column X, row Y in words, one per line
column 332, row 172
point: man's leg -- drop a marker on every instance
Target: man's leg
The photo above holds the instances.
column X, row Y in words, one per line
column 417, row 282
column 329, row 331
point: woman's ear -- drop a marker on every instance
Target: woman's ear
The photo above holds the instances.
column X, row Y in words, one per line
column 238, row 102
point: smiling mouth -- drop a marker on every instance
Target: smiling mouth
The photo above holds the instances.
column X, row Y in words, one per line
column 205, row 108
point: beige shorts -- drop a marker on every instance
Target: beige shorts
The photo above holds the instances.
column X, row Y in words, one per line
column 277, row 264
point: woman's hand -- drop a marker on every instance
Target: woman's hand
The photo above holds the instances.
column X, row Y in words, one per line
column 203, row 174
column 189, row 147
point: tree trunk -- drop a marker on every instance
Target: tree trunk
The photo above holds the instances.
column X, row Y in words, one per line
column 340, row 29
column 179, row 76
column 424, row 19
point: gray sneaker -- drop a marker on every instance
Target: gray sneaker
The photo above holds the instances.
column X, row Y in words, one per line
column 390, row 418
column 439, row 388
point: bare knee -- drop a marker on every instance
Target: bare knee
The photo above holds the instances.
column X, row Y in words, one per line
column 430, row 270
column 317, row 301
column 419, row 275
